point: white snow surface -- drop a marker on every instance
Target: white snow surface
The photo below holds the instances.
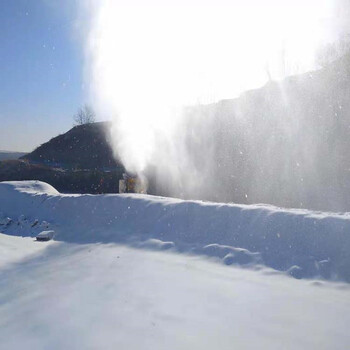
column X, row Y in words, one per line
column 145, row 272
column 304, row 243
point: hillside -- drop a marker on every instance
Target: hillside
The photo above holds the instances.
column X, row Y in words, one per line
column 79, row 161
column 287, row 144
column 82, row 147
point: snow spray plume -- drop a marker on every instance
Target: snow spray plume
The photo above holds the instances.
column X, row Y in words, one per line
column 157, row 68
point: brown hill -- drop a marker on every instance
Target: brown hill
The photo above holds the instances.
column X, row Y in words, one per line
column 82, row 147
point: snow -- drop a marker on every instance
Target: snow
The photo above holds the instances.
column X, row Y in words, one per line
column 316, row 244
column 13, row 249
column 45, row 235
column 112, row 296
column 143, row 272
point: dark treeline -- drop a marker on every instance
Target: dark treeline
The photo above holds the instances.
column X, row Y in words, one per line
column 66, row 181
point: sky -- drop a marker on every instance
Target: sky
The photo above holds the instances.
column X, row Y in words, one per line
column 44, row 63
column 149, row 59
column 41, row 73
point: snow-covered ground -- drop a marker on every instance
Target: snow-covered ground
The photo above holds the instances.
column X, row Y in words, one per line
column 143, row 272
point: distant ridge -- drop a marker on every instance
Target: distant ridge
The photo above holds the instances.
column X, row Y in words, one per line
column 9, row 155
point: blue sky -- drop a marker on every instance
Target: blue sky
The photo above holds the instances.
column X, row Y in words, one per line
column 41, row 72
column 42, row 65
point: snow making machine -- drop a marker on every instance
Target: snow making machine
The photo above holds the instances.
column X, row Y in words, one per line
column 132, row 184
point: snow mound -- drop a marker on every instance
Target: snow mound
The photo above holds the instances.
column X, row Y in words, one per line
column 302, row 243
column 231, row 255
column 156, row 244
column 34, row 187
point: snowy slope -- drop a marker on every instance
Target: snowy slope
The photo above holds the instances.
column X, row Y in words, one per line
column 109, row 296
column 304, row 243
column 116, row 276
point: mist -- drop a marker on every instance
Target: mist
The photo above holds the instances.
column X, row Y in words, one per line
column 173, row 79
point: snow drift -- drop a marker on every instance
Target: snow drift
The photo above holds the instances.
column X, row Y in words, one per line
column 305, row 244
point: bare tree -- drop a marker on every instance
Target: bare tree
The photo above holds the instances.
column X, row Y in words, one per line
column 84, row 115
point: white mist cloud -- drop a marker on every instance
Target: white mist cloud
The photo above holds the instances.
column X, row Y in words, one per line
column 146, row 60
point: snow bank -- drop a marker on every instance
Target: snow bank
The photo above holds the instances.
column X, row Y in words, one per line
column 111, row 296
column 303, row 243
column 15, row 249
